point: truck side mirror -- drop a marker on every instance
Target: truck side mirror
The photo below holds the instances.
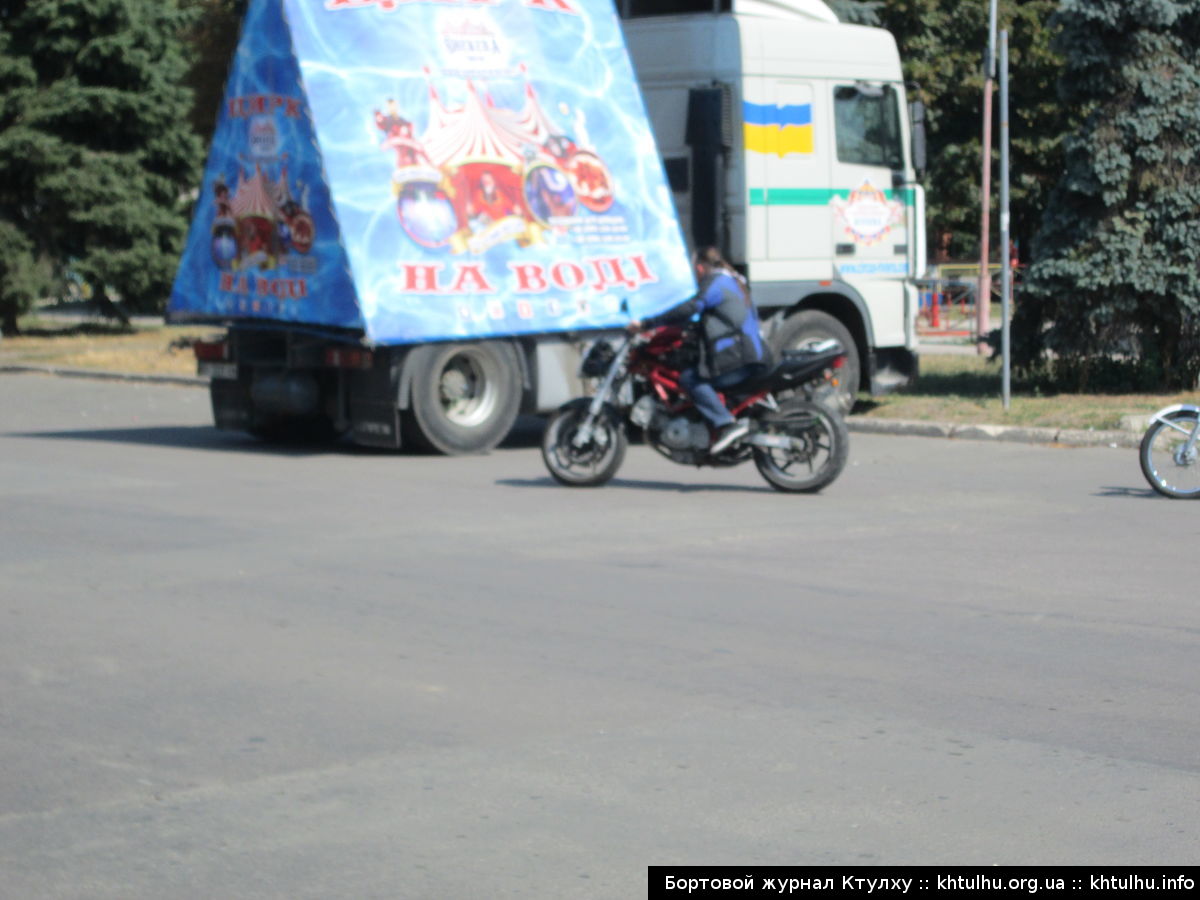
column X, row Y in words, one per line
column 916, row 113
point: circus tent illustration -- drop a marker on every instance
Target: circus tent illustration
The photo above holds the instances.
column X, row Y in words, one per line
column 481, row 173
column 260, row 223
column 255, row 212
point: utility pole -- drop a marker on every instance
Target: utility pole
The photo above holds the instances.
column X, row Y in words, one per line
column 983, row 297
column 1005, row 256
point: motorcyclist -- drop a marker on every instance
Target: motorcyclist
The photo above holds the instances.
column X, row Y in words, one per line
column 731, row 345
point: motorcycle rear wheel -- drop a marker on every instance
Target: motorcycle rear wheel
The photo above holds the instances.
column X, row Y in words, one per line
column 1169, row 471
column 591, row 464
column 821, row 445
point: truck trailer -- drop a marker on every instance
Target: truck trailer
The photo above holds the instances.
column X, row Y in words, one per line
column 416, row 214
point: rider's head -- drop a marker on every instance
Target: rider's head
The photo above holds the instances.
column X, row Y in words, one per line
column 707, row 260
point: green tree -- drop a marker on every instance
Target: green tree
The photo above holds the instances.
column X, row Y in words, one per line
column 213, row 38
column 96, row 149
column 22, row 279
column 942, row 45
column 1116, row 285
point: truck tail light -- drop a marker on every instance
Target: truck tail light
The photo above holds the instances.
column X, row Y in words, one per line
column 349, row 358
column 211, row 351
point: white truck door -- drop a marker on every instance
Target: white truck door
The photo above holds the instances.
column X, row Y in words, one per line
column 870, row 232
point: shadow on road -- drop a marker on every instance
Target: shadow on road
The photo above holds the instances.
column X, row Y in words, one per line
column 1137, row 493
column 197, row 437
column 527, row 433
column 637, row 485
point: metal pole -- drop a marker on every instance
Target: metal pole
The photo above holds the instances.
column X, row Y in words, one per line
column 1005, row 255
column 983, row 297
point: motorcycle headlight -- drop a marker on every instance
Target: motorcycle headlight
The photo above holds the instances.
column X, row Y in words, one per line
column 597, row 360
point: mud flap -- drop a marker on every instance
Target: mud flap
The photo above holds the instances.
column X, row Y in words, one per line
column 374, row 416
column 232, row 410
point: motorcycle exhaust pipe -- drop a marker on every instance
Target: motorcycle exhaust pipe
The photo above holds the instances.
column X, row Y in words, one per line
column 772, row 441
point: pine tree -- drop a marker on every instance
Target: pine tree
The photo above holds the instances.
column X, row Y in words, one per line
column 95, row 147
column 1116, row 285
column 21, row 278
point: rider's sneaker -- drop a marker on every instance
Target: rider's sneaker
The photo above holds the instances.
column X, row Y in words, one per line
column 728, row 436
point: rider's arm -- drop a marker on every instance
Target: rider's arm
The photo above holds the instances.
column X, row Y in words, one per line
column 708, row 296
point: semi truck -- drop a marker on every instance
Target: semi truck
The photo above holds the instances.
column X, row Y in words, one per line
column 789, row 143
column 416, row 214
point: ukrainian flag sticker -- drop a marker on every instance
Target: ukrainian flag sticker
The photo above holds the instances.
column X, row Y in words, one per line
column 780, row 130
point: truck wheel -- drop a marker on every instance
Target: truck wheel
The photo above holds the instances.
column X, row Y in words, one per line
column 465, row 397
column 811, row 326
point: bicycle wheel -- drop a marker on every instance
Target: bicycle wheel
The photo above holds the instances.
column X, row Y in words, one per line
column 1170, row 469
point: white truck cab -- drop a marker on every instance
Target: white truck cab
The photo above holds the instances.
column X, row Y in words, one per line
column 787, row 142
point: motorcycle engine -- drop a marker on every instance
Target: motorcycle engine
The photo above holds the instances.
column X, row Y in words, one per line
column 678, row 436
column 647, row 413
column 682, row 433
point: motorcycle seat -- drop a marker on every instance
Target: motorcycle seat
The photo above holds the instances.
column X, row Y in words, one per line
column 793, row 367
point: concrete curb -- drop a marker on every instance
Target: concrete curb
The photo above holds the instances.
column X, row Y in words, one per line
column 186, row 380
column 1072, row 437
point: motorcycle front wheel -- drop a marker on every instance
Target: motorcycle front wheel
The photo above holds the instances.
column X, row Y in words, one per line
column 594, row 461
column 1170, row 470
column 819, row 447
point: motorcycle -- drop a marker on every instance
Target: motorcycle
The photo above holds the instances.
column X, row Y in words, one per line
column 798, row 443
column 1169, row 454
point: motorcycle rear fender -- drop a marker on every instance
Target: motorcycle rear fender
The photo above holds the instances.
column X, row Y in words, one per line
column 799, row 365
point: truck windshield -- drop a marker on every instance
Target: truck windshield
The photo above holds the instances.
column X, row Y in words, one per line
column 867, row 120
column 635, row 9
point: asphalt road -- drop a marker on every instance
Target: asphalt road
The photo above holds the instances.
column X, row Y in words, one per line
column 228, row 670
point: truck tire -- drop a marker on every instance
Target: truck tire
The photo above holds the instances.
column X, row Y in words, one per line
column 465, row 397
column 810, row 326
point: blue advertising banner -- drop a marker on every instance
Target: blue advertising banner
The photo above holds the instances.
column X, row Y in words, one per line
column 455, row 168
column 264, row 241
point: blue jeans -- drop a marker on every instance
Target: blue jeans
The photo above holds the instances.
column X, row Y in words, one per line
column 704, row 392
